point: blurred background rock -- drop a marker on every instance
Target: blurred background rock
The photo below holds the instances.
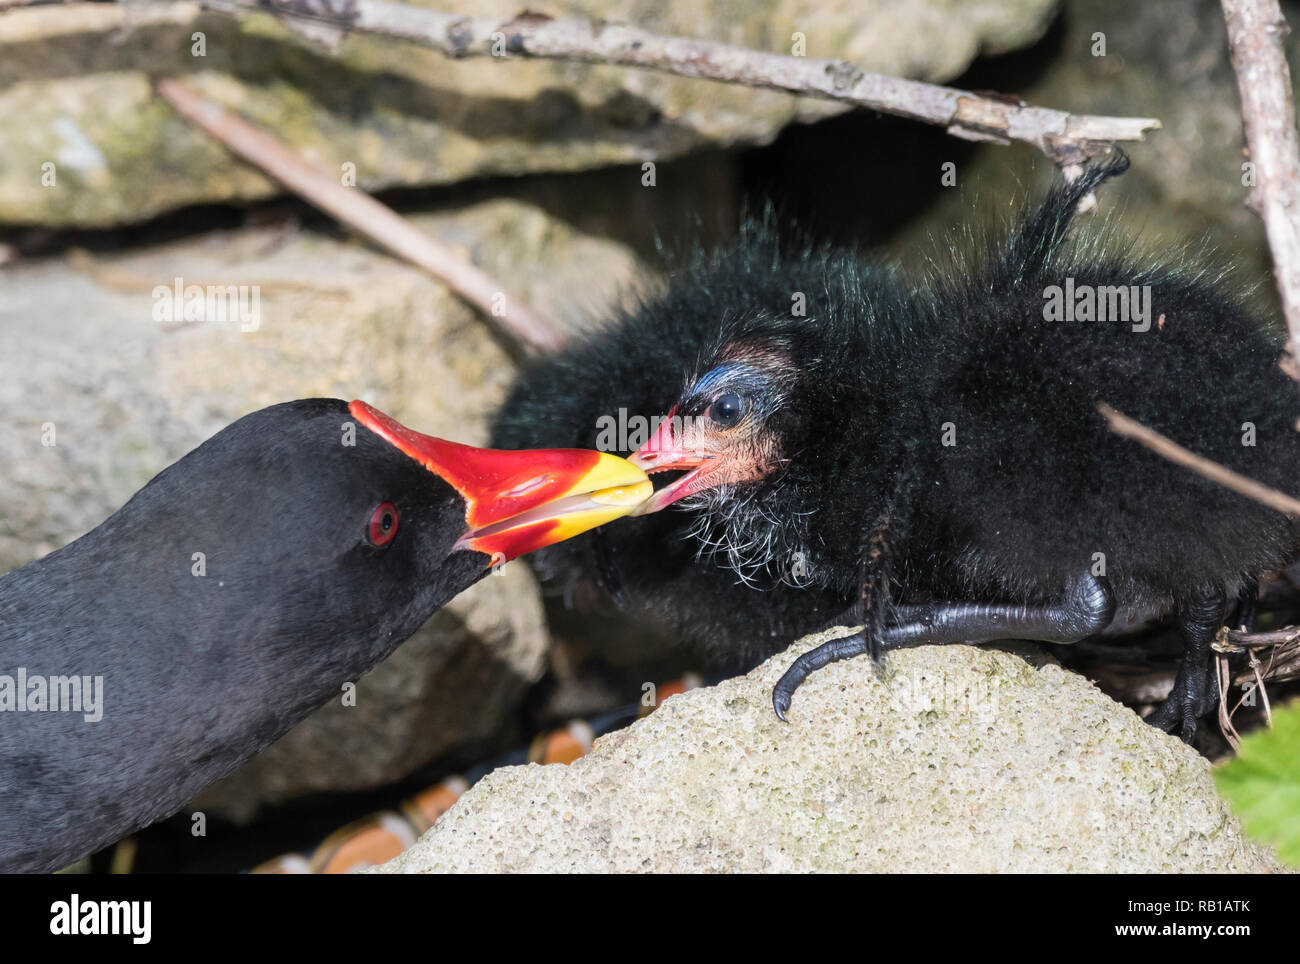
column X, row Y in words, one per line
column 533, row 170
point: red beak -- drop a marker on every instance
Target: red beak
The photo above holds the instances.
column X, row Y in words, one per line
column 519, row 501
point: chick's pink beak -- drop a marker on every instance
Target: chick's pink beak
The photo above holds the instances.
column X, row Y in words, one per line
column 664, row 451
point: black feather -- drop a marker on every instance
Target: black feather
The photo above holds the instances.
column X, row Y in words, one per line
column 1035, row 491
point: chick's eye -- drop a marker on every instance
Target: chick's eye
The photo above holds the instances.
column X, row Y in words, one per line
column 727, row 409
column 383, row 524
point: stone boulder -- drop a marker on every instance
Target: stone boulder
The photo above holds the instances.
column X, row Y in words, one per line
column 956, row 759
column 75, row 92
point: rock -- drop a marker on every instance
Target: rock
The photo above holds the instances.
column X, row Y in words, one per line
column 1185, row 185
column 1189, row 175
column 959, row 759
column 74, row 92
column 122, row 395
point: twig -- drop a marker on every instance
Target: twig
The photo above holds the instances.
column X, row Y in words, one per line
column 367, row 216
column 1225, row 715
column 1263, row 690
column 1238, row 641
column 1166, row 448
column 1283, row 665
column 1255, row 32
column 1068, row 139
column 1283, row 647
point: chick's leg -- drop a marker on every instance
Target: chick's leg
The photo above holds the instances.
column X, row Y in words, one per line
column 1195, row 690
column 1087, row 608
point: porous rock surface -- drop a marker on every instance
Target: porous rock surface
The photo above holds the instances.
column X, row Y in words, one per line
column 952, row 759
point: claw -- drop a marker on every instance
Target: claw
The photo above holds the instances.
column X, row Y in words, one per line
column 783, row 691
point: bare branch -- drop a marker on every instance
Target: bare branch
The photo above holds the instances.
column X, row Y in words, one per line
column 1255, row 32
column 1166, row 448
column 1283, row 666
column 1263, row 690
column 1283, row 647
column 1229, row 731
column 1068, row 139
column 1236, row 641
column 364, row 214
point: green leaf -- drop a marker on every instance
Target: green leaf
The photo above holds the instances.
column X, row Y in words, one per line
column 1263, row 784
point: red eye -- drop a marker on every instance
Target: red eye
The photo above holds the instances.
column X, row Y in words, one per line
column 383, row 524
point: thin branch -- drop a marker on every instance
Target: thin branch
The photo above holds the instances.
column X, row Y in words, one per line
column 367, row 216
column 1283, row 666
column 1229, row 731
column 1263, row 690
column 1255, row 32
column 1166, row 448
column 1068, row 139
column 1236, row 641
column 1283, row 647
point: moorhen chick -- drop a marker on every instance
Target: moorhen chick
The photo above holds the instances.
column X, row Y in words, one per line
column 926, row 458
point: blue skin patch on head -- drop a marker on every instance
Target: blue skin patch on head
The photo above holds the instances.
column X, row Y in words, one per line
column 715, row 378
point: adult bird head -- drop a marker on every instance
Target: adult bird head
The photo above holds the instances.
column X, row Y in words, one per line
column 334, row 531
column 417, row 519
column 322, row 530
column 514, row 501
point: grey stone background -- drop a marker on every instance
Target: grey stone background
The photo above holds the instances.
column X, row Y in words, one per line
column 530, row 170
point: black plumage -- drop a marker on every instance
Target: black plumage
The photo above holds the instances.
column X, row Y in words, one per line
column 925, row 456
column 238, row 591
